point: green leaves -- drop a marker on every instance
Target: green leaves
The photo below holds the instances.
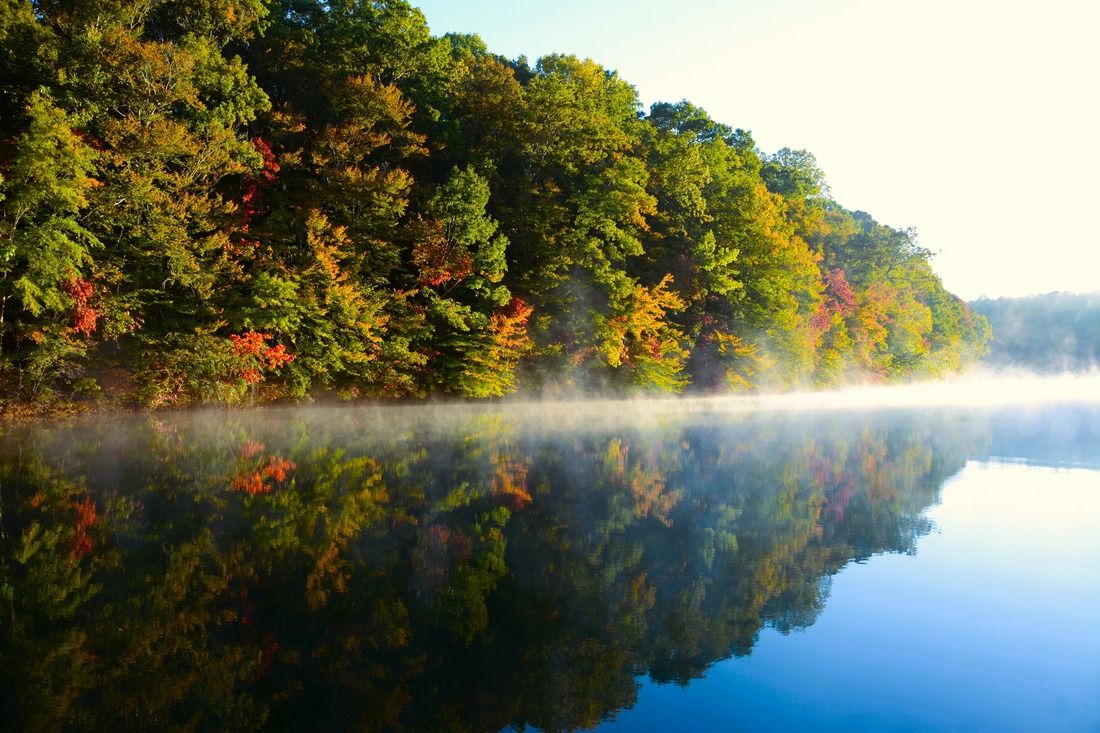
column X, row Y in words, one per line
column 459, row 205
column 43, row 244
column 412, row 214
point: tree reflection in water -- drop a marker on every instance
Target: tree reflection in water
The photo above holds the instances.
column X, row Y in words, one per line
column 378, row 569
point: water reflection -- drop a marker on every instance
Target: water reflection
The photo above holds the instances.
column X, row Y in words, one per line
column 388, row 570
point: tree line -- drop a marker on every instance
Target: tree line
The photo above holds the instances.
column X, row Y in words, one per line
column 1051, row 333
column 226, row 200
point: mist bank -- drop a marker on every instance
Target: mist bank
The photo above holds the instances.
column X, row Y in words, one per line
column 251, row 201
column 1051, row 333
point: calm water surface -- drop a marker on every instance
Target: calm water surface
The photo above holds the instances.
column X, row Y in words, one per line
column 629, row 567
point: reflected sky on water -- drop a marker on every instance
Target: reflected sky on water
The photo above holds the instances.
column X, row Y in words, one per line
column 990, row 626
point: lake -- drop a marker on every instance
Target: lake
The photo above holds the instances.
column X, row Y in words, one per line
column 626, row 566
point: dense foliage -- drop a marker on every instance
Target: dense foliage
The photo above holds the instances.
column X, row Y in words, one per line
column 240, row 199
column 351, row 569
column 1056, row 332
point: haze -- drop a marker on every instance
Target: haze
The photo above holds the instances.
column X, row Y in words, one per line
column 972, row 121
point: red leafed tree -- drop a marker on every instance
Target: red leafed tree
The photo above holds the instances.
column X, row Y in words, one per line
column 252, row 197
column 83, row 316
column 839, row 300
column 258, row 355
column 840, row 292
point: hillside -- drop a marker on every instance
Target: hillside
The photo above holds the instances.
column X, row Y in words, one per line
column 261, row 200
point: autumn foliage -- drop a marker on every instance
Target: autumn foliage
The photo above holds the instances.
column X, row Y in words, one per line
column 264, row 358
column 252, row 198
column 83, row 317
column 239, row 200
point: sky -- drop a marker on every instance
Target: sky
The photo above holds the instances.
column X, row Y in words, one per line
column 974, row 121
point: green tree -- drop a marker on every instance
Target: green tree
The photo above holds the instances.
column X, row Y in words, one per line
column 45, row 250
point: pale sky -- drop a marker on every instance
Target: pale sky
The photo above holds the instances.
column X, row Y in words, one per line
column 975, row 121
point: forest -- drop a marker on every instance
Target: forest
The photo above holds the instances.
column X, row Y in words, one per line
column 1051, row 333
column 226, row 201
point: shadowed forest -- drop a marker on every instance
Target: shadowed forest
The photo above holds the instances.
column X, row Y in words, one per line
column 250, row 200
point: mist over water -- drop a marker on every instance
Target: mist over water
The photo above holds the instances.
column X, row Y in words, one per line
column 978, row 389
